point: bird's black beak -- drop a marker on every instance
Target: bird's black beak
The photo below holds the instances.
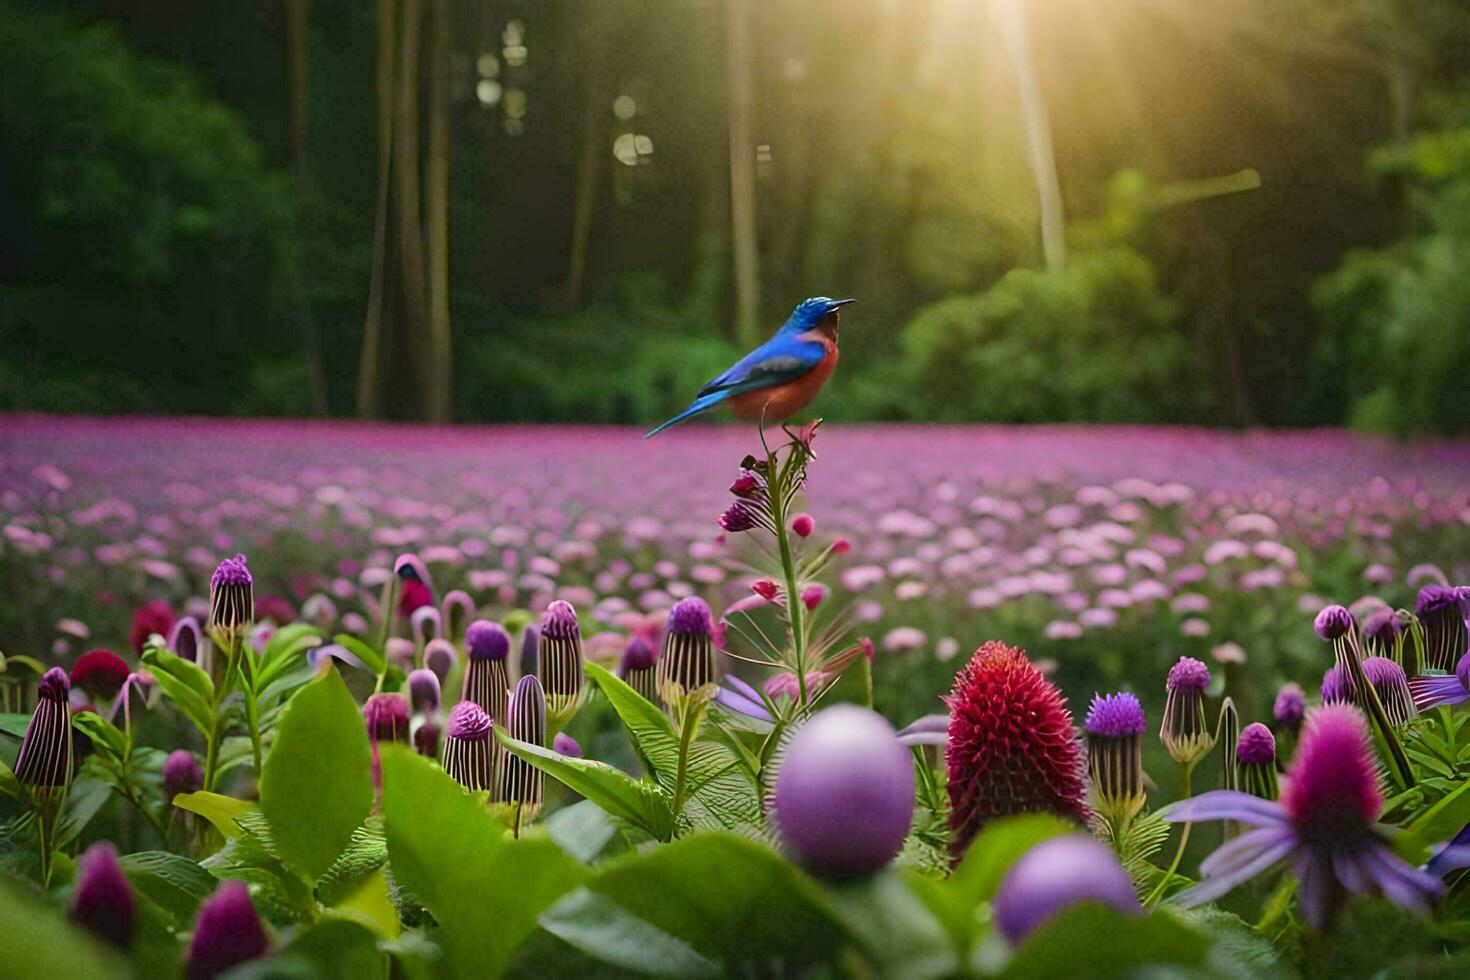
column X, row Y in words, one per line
column 834, row 304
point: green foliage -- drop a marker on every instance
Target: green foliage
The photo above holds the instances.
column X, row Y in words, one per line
column 1091, row 343
column 316, row 789
column 39, row 943
column 1091, row 940
column 171, row 881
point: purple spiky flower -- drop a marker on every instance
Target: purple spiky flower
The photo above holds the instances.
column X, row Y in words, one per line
column 1114, row 729
column 1440, row 609
column 560, row 658
column 687, row 663
column 1255, row 760
column 231, row 598
column 517, row 781
column 487, row 676
column 1323, row 826
column 227, row 933
column 1054, row 876
column 181, row 774
column 469, row 748
column 1186, row 731
column 44, row 763
column 102, row 902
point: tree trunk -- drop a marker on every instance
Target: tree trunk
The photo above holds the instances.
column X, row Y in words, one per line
column 742, row 171
column 407, row 194
column 593, row 150
column 440, row 391
column 369, row 404
column 1016, row 34
column 297, row 17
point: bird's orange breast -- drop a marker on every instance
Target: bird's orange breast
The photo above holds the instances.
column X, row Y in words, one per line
column 779, row 402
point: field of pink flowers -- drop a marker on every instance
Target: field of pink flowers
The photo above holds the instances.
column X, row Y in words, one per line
column 1085, row 543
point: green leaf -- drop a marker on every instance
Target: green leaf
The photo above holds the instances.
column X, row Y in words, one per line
column 222, row 811
column 37, row 942
column 185, row 683
column 1092, row 940
column 284, row 652
column 171, row 881
column 107, row 738
column 606, row 931
column 899, row 931
column 88, row 795
column 733, row 900
column 653, row 735
column 582, row 830
column 9, row 785
column 366, row 852
column 317, row 787
column 1437, row 824
column 330, row 948
column 446, row 847
column 370, row 656
column 632, row 800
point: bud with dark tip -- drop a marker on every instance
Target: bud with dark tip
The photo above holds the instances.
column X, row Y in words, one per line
column 469, row 756
column 186, row 640
column 517, row 781
column 424, row 692
column 638, row 668
column 1255, row 760
column 102, row 902
column 687, row 663
column 426, row 625
column 231, row 599
column 426, row 739
column 1381, row 632
column 530, row 650
column 440, row 657
column 227, row 933
column 44, row 763
column 459, row 612
column 487, row 677
column 561, row 658
column 1227, row 733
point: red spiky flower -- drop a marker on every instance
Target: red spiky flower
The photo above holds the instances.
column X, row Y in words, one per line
column 1011, row 746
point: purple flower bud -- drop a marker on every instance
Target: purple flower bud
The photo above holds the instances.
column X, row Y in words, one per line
column 440, row 658
column 844, row 794
column 487, row 640
column 530, row 649
column 560, row 660
column 1114, row 726
column 1185, row 731
column 425, row 624
column 469, row 750
column 386, row 715
column 1392, row 685
column 1333, row 622
column 1256, row 746
column 1381, row 632
column 688, row 659
column 1290, row 705
column 231, row 598
column 459, row 612
column 638, row 667
column 1115, row 715
column 469, row 722
column 1441, row 611
column 185, row 639
column 1188, row 674
column 517, row 781
column 426, row 739
column 102, row 901
column 559, row 621
column 566, row 745
column 181, row 774
column 736, row 518
column 1054, row 876
column 423, row 691
column 228, row 932
column 1337, row 687
column 45, row 758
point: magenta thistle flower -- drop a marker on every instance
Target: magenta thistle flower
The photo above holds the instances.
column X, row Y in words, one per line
column 155, row 616
column 101, row 674
column 560, row 661
column 231, row 598
column 45, row 758
column 386, row 717
column 1290, row 705
column 487, row 675
column 469, row 755
column 844, row 795
column 1114, row 729
column 1323, row 826
column 638, row 667
column 517, row 781
column 102, row 902
column 1186, row 731
column 424, row 692
column 687, row 663
column 1011, row 746
column 1381, row 632
column 1440, row 609
column 227, row 933
column 1054, row 876
column 1255, row 761
column 181, row 774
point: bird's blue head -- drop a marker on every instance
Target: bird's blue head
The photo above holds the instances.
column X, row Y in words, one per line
column 810, row 312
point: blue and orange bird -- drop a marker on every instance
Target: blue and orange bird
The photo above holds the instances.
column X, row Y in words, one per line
column 778, row 378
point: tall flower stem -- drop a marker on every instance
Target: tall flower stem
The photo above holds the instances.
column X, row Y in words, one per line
column 1186, row 772
column 788, row 569
column 217, row 722
column 690, row 711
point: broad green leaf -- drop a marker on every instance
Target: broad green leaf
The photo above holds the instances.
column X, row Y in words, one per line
column 171, row 881
column 222, row 811
column 185, row 683
column 1437, row 824
column 606, row 931
column 366, row 852
column 9, row 785
column 371, row 657
column 370, row 905
column 652, row 734
column 1238, row 950
column 87, row 796
column 446, row 848
column 582, row 830
column 632, row 800
column 733, row 900
column 1092, row 940
column 317, row 786
column 897, row 929
column 106, row 737
column 279, row 894
column 37, row 942
column 329, row 948
column 285, row 652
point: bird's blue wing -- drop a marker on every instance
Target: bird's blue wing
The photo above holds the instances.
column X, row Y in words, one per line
column 775, row 362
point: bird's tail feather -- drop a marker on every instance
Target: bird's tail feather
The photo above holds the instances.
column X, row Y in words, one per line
column 701, row 404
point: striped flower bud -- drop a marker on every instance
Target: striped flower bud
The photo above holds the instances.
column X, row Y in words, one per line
column 1337, row 687
column 638, row 668
column 227, row 933
column 687, row 663
column 1114, row 726
column 486, row 677
column 1335, row 625
column 102, row 902
column 517, row 781
column 44, row 763
column 231, row 598
column 1392, row 685
column 1255, row 760
column 469, row 755
column 459, row 612
column 424, row 692
column 561, row 657
column 386, row 716
column 1381, row 632
column 1440, row 609
column 1227, row 733
column 1185, row 731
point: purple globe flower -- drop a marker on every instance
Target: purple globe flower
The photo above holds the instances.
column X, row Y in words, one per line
column 1392, row 685
column 440, row 656
column 1114, row 728
column 227, row 933
column 1054, row 876
column 469, row 749
column 1337, row 687
column 386, row 717
column 845, row 792
column 559, row 661
column 181, row 774
column 1333, row 622
column 687, row 663
column 1381, row 632
column 487, row 640
column 487, row 676
column 102, row 901
column 45, row 758
column 1255, row 760
column 1290, row 705
column 1115, row 715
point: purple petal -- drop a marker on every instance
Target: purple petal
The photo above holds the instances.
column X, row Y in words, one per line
column 1401, row 884
column 1314, row 895
column 741, row 705
column 1262, row 857
column 1349, row 870
column 1430, row 692
column 927, row 725
column 1242, row 850
column 1453, row 855
column 743, row 689
column 337, row 651
column 1226, row 804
